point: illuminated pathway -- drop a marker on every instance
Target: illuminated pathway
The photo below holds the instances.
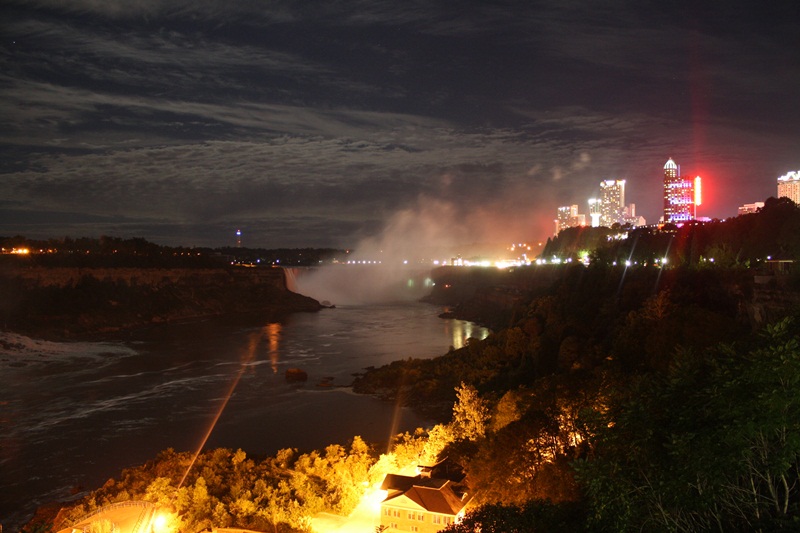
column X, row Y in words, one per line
column 364, row 518
column 124, row 517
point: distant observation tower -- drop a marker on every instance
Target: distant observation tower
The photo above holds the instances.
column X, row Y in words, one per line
column 238, row 238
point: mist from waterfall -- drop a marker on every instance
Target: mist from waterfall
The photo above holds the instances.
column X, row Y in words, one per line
column 360, row 284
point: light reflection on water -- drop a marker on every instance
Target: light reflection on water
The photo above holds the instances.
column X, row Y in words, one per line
column 461, row 331
column 75, row 414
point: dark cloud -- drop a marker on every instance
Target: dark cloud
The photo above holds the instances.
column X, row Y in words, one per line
column 320, row 123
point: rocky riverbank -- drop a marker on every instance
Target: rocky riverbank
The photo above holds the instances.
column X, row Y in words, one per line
column 68, row 303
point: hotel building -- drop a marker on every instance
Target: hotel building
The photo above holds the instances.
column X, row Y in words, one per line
column 681, row 194
column 789, row 186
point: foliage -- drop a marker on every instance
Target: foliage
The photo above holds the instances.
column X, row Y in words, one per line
column 531, row 517
column 225, row 488
column 713, row 443
column 570, row 242
column 470, row 414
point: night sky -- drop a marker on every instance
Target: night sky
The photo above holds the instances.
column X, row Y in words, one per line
column 320, row 123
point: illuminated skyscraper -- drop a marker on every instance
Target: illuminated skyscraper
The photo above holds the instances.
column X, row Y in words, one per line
column 789, row 186
column 681, row 194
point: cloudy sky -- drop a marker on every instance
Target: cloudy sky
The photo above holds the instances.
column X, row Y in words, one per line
column 319, row 123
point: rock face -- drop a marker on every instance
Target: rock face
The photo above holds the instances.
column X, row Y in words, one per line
column 493, row 297
column 486, row 296
column 769, row 304
column 75, row 302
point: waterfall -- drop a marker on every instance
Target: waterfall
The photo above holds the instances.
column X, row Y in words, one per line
column 290, row 278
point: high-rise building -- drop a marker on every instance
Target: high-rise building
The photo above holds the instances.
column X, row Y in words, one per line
column 789, row 186
column 612, row 202
column 568, row 217
column 681, row 194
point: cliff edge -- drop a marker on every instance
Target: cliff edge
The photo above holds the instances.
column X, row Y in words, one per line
column 63, row 303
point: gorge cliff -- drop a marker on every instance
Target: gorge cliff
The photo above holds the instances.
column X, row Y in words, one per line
column 62, row 302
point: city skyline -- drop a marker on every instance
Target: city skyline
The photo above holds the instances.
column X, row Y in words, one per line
column 326, row 125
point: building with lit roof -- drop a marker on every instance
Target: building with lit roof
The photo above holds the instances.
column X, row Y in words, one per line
column 421, row 504
column 789, row 186
column 681, row 194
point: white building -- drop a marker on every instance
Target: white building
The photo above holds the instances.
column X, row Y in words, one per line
column 746, row 209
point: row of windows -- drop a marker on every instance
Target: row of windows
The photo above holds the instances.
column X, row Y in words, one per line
column 393, row 525
column 412, row 515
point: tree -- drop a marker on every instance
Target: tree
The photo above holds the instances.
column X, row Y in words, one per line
column 712, row 444
column 470, row 413
column 533, row 516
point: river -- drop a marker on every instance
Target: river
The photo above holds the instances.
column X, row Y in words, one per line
column 73, row 415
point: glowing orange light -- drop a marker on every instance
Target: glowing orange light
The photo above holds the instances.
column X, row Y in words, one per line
column 273, row 334
column 697, row 195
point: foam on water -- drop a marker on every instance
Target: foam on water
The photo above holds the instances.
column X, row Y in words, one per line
column 16, row 348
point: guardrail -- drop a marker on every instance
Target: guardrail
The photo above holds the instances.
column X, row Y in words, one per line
column 118, row 505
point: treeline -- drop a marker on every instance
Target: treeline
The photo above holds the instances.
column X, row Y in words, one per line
column 746, row 240
column 107, row 251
